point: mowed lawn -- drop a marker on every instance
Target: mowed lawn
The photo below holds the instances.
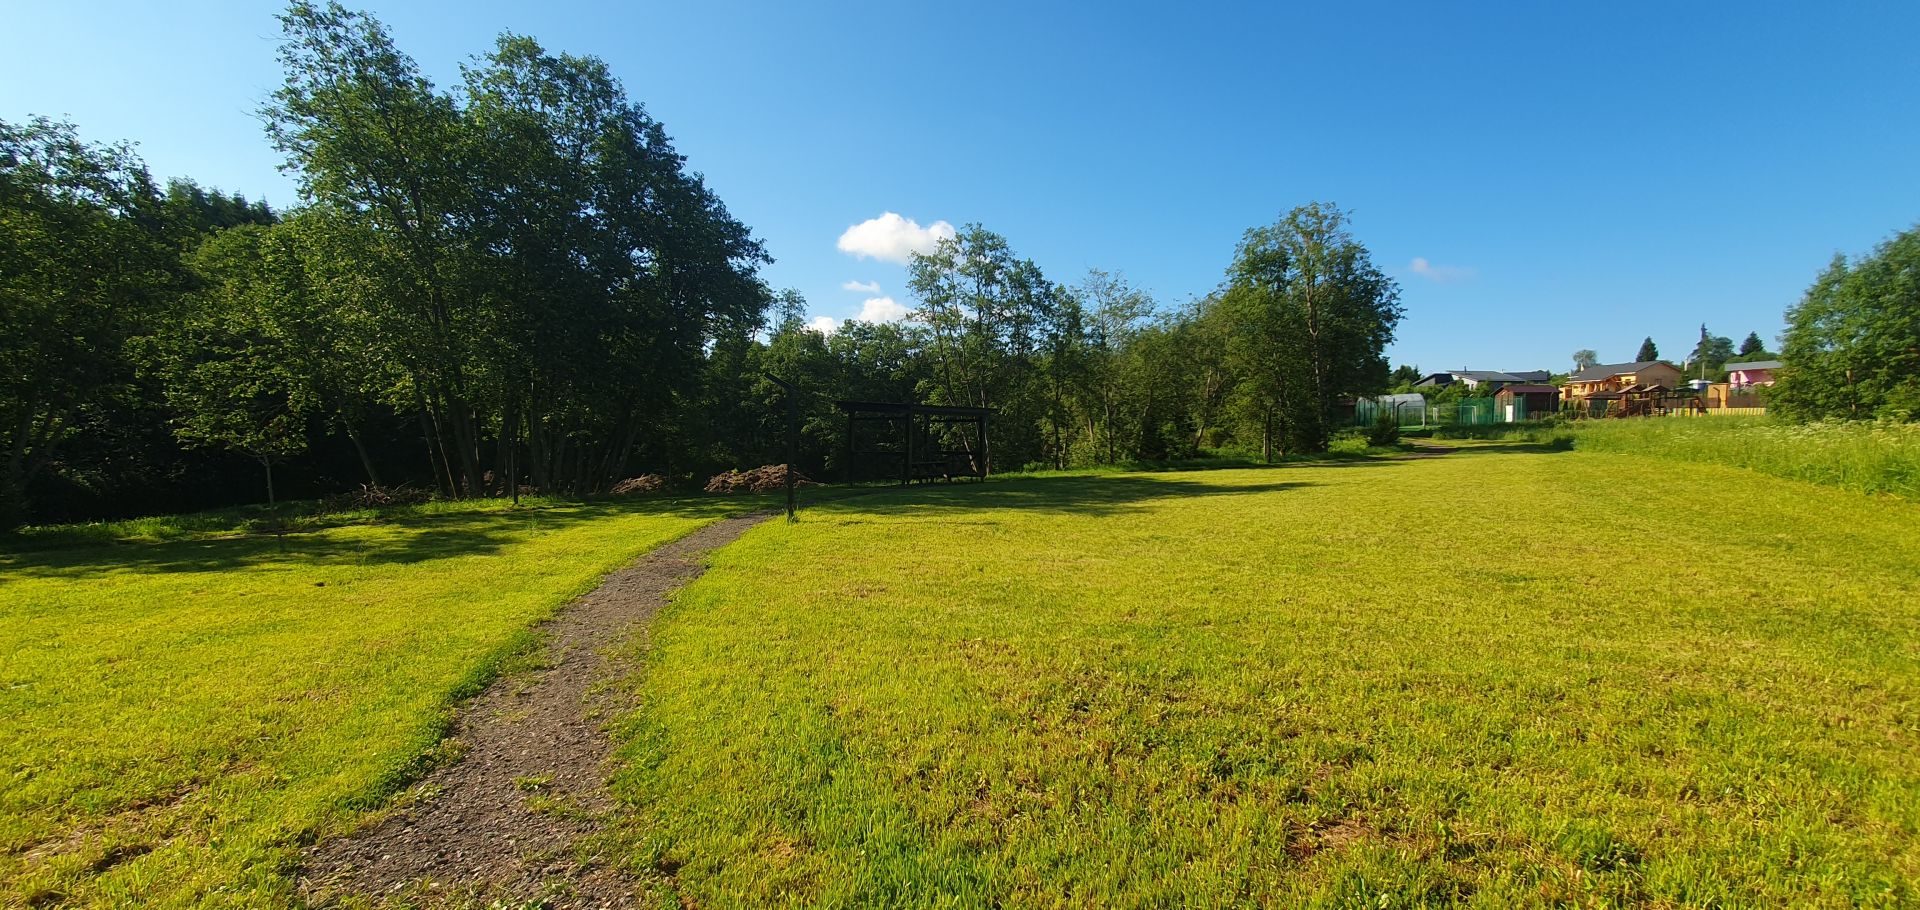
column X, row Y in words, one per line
column 1504, row 677
column 177, row 718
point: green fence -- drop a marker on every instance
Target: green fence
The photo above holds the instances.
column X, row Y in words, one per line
column 1407, row 410
column 1416, row 411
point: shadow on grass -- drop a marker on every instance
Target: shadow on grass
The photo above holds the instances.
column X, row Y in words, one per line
column 1502, row 448
column 420, row 538
column 1098, row 492
column 1088, row 494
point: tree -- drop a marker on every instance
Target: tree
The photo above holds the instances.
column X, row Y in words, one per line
column 227, row 381
column 1311, row 319
column 988, row 313
column 1852, row 346
column 542, row 271
column 1584, row 359
column 1648, row 351
column 1405, row 376
column 372, row 141
column 1118, row 313
column 84, row 264
column 1710, row 355
column 1752, row 346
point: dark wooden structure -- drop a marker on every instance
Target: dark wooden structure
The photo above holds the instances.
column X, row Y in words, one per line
column 919, row 442
column 1525, row 401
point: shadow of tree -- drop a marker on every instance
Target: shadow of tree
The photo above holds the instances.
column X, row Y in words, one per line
column 1070, row 494
column 421, row 538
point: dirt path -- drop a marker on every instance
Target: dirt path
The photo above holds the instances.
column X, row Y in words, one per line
column 500, row 823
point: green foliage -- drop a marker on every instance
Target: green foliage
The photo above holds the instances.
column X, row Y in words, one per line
column 990, row 317
column 1585, row 358
column 1752, row 348
column 1270, row 687
column 1710, row 356
column 1385, row 430
column 1648, row 351
column 1852, row 346
column 85, row 265
column 1308, row 318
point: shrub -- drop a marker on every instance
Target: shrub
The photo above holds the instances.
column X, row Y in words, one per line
column 1384, row 432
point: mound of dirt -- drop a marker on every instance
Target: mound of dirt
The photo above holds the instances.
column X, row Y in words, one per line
column 763, row 479
column 645, row 483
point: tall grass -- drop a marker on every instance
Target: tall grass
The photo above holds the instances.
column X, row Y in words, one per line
column 1882, row 457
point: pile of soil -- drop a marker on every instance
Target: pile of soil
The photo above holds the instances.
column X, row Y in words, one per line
column 763, row 479
column 372, row 497
column 645, row 483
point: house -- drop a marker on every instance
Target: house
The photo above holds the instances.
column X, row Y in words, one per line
column 1751, row 373
column 1473, row 379
column 1618, row 377
column 1525, row 401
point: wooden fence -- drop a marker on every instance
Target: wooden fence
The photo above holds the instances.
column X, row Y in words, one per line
column 1717, row 412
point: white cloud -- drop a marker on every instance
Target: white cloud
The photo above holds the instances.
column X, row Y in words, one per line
column 1440, row 274
column 825, row 325
column 881, row 309
column 892, row 238
column 864, row 287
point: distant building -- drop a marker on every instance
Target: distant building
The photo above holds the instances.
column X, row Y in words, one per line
column 1525, row 401
column 1614, row 378
column 1474, row 379
column 1751, row 373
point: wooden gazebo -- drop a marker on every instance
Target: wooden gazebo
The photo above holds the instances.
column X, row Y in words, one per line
column 914, row 441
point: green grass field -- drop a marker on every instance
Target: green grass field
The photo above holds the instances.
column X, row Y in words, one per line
column 178, row 716
column 1509, row 676
column 1504, row 677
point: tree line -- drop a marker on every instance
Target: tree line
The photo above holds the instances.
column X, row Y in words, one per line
column 518, row 281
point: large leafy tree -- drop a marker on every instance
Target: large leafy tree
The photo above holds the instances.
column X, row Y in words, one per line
column 376, row 145
column 1585, row 358
column 1119, row 387
column 544, row 275
column 1312, row 316
column 85, row 263
column 1852, row 346
column 989, row 315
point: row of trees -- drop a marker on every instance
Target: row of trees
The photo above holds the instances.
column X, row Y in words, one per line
column 1097, row 372
column 519, row 282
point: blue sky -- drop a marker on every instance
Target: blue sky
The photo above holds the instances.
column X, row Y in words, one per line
column 1574, row 175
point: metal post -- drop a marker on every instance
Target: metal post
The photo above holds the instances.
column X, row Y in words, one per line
column 793, row 441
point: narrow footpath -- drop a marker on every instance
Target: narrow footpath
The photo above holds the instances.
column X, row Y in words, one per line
column 501, row 822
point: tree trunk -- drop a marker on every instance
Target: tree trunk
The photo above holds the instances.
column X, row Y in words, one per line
column 360, row 449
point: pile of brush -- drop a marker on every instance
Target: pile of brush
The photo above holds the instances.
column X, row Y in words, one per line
column 374, row 497
column 763, row 479
column 645, row 483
